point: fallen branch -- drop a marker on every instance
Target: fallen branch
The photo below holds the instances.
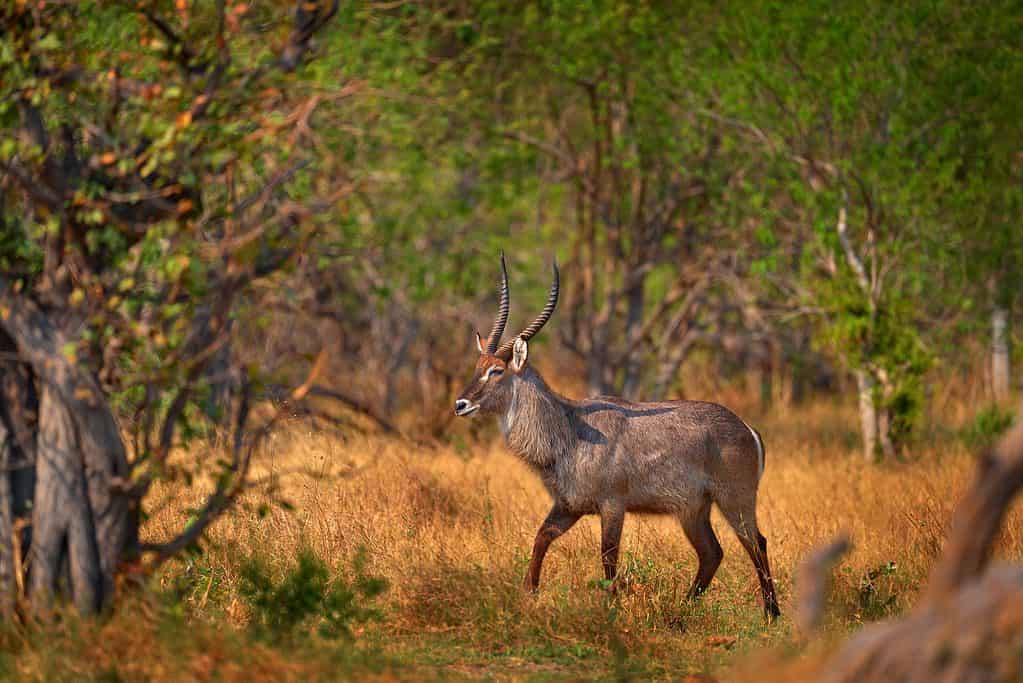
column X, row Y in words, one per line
column 813, row 583
column 968, row 625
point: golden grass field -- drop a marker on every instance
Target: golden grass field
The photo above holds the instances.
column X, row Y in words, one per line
column 451, row 528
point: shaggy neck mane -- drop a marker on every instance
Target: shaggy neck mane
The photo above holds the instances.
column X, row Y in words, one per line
column 535, row 425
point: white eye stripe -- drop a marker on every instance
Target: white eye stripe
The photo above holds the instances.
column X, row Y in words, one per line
column 492, row 370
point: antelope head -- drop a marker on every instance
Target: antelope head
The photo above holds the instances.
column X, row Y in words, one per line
column 489, row 390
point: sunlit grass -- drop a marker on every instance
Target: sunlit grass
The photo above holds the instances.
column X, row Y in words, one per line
column 451, row 533
column 450, row 530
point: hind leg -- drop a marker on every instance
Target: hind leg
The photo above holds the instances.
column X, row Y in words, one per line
column 743, row 520
column 612, row 520
column 701, row 535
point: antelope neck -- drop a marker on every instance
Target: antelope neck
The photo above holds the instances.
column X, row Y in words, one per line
column 536, row 425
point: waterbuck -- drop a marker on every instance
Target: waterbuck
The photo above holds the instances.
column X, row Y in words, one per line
column 608, row 456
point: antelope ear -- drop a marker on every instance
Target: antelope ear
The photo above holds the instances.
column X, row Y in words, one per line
column 479, row 342
column 519, row 354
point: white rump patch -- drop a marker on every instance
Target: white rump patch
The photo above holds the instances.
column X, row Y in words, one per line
column 760, row 450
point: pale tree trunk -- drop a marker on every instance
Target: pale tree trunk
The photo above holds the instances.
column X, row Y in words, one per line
column 1000, row 353
column 884, row 432
column 868, row 414
column 884, row 414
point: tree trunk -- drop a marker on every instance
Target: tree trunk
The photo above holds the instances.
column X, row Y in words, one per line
column 884, row 432
column 83, row 523
column 398, row 357
column 8, row 568
column 634, row 361
column 762, row 361
column 19, row 410
column 223, row 384
column 868, row 414
column 597, row 365
column 64, row 533
column 1000, row 353
column 793, row 368
column 669, row 364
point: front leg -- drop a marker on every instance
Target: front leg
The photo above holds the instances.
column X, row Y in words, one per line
column 612, row 519
column 558, row 522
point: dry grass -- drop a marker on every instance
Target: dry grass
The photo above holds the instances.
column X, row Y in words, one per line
column 451, row 532
column 450, row 529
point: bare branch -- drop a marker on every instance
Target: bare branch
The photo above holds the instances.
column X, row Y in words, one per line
column 276, row 181
column 851, row 257
column 813, row 583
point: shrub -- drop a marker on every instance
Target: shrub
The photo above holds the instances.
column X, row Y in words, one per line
column 988, row 424
column 307, row 597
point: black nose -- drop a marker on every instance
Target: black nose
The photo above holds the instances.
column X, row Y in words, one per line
column 461, row 404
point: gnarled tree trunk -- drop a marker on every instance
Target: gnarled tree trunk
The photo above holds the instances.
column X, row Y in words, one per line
column 64, row 545
column 83, row 523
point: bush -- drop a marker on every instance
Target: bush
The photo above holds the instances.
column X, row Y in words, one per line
column 988, row 425
column 307, row 597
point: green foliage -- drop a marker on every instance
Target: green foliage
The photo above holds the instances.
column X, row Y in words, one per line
column 987, row 427
column 424, row 138
column 307, row 597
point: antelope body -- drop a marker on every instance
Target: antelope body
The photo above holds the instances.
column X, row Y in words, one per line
column 608, row 456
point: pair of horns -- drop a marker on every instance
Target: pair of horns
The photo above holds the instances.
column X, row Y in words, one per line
column 504, row 351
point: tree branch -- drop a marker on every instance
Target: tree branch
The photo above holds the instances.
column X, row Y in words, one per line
column 851, row 257
column 183, row 55
column 307, row 23
column 351, row 402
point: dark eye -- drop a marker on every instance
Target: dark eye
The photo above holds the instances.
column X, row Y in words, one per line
column 496, row 372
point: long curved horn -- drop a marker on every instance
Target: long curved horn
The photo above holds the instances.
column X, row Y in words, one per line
column 502, row 311
column 541, row 320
